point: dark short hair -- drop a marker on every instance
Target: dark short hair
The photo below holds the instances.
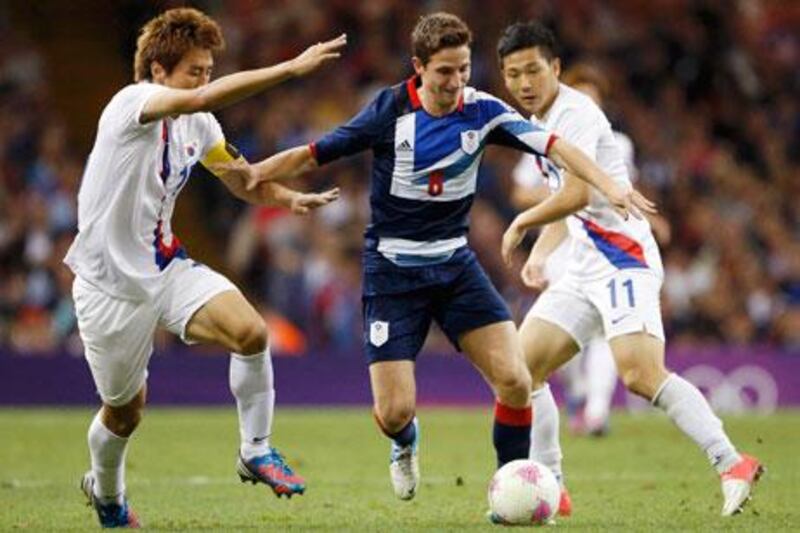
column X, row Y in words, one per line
column 522, row 35
column 436, row 31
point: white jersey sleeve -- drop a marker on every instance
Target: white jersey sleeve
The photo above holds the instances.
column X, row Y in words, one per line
column 583, row 128
column 125, row 109
column 211, row 133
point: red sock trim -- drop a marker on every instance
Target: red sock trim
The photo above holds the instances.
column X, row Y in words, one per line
column 513, row 416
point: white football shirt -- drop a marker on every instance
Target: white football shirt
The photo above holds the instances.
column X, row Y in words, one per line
column 601, row 242
column 127, row 196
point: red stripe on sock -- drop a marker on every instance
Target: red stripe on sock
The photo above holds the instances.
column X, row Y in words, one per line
column 513, row 416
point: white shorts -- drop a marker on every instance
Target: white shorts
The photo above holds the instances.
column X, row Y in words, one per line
column 118, row 334
column 626, row 302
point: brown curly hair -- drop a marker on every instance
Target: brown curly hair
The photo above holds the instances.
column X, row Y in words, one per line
column 167, row 37
column 436, row 31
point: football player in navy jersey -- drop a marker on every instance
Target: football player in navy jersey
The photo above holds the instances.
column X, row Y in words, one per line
column 427, row 135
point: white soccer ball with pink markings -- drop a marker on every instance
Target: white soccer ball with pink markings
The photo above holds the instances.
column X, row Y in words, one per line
column 523, row 492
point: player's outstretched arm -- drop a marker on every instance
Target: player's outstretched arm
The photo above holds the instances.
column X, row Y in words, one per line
column 239, row 176
column 284, row 165
column 281, row 166
column 300, row 203
column 234, row 87
column 572, row 197
column 236, row 175
column 624, row 200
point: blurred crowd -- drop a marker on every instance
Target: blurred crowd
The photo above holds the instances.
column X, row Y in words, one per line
column 707, row 90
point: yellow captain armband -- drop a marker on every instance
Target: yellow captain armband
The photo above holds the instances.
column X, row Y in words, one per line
column 222, row 152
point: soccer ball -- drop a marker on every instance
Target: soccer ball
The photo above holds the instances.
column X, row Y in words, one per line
column 523, row 492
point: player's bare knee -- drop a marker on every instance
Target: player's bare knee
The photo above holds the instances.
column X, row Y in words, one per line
column 394, row 416
column 123, row 421
column 251, row 338
column 513, row 388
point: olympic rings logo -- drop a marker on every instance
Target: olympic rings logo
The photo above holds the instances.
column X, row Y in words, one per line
column 745, row 388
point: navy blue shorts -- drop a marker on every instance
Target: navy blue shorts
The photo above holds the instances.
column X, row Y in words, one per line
column 400, row 302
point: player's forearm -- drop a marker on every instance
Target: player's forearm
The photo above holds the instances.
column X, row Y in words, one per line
column 579, row 164
column 275, row 194
column 217, row 94
column 286, row 165
column 232, row 88
column 525, row 197
column 549, row 239
column 557, row 206
column 267, row 194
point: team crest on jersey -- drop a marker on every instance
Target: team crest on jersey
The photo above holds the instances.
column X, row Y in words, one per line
column 378, row 333
column 470, row 141
column 191, row 149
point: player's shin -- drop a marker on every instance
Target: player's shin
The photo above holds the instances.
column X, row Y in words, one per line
column 251, row 383
column 689, row 410
column 545, row 445
column 107, row 452
column 511, row 432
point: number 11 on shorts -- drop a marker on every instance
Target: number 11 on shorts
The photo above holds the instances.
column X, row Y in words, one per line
column 612, row 289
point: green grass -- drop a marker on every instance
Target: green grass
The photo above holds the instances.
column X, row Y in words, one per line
column 644, row 477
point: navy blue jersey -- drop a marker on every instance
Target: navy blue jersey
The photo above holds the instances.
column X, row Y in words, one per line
column 425, row 168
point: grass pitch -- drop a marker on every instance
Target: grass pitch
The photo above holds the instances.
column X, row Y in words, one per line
column 645, row 476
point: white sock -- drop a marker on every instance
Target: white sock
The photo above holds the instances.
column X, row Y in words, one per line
column 252, row 385
column 545, row 445
column 689, row 410
column 571, row 376
column 107, row 452
column 601, row 380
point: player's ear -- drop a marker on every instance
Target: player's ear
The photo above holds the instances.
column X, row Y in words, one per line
column 418, row 65
column 157, row 72
column 557, row 67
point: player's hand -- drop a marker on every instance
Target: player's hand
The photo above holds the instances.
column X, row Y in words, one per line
column 317, row 55
column 628, row 201
column 303, row 203
column 533, row 277
column 511, row 239
column 239, row 170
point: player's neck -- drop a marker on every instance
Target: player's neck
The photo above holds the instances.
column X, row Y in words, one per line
column 546, row 107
